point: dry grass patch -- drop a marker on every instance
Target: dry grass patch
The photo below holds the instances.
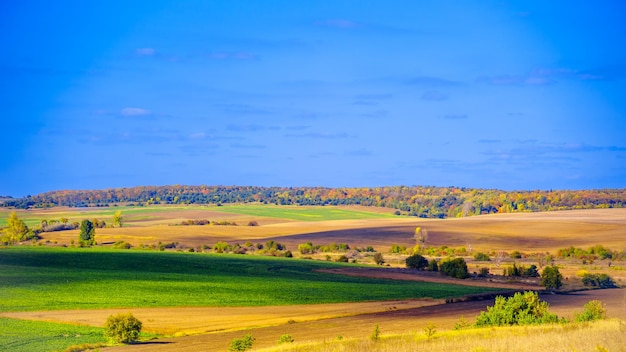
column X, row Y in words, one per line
column 197, row 320
column 597, row 336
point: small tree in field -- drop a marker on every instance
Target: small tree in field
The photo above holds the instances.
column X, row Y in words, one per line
column 16, row 230
column 454, row 268
column 416, row 261
column 118, row 219
column 122, row 328
column 87, row 236
column 242, row 344
column 551, row 278
column 378, row 258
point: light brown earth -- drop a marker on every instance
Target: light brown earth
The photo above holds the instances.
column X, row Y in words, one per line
column 526, row 232
column 361, row 326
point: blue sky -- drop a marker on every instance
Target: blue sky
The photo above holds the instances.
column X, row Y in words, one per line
column 515, row 95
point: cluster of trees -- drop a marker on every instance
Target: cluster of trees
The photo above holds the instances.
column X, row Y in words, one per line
column 309, row 248
column 426, row 202
column 453, row 267
column 521, row 271
column 590, row 254
column 598, row 280
column 271, row 248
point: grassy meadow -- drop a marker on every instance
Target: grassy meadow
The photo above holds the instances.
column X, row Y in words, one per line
column 41, row 278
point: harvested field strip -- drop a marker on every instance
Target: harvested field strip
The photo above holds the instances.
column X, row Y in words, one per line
column 303, row 213
column 195, row 320
column 40, row 278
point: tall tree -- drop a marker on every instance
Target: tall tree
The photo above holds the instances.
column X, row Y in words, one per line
column 16, row 230
column 87, row 236
column 118, row 219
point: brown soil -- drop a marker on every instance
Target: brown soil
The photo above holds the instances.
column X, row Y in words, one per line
column 423, row 276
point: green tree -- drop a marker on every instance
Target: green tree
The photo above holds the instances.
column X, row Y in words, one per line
column 454, row 268
column 16, row 230
column 432, row 265
column 593, row 310
column 242, row 344
column 122, row 328
column 416, row 261
column 551, row 278
column 521, row 309
column 118, row 219
column 87, row 236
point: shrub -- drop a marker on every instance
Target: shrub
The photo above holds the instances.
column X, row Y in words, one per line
column 593, row 310
column 416, row 261
column 531, row 271
column 285, row 339
column 598, row 280
column 482, row 257
column 242, row 344
column 342, row 259
column 253, row 223
column 521, row 309
column 378, row 258
column 551, row 278
column 483, row 272
column 516, row 255
column 122, row 328
column 455, row 268
column 122, row 245
column 375, row 334
column 430, row 330
column 432, row 265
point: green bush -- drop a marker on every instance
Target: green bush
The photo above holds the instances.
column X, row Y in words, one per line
column 432, row 265
column 455, row 268
column 482, row 257
column 551, row 278
column 242, row 344
column 598, row 280
column 416, row 261
column 285, row 339
column 593, row 310
column 122, row 328
column 521, row 309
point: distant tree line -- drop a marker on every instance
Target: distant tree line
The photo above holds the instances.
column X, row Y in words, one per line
column 420, row 201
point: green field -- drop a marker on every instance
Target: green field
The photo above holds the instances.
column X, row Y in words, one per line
column 23, row 335
column 301, row 213
column 40, row 278
column 33, row 217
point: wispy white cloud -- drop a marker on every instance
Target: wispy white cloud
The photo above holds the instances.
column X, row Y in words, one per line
column 240, row 55
column 130, row 111
column 337, row 23
column 319, row 135
column 434, row 95
column 145, row 51
column 549, row 75
column 430, row 81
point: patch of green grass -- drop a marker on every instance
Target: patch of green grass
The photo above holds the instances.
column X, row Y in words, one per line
column 302, row 213
column 25, row 335
column 44, row 278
